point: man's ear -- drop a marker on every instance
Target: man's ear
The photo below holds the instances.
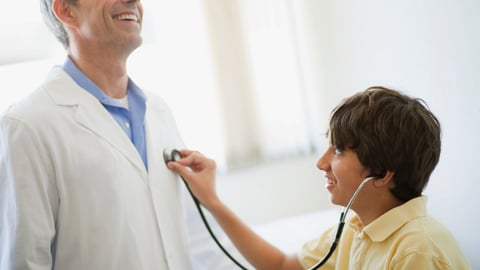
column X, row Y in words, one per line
column 385, row 181
column 63, row 12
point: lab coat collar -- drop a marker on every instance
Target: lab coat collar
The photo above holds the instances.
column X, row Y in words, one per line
column 90, row 113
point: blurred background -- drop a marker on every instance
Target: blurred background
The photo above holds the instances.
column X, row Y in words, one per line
column 252, row 82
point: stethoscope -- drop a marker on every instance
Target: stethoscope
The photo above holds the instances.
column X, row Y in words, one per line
column 174, row 155
column 341, row 224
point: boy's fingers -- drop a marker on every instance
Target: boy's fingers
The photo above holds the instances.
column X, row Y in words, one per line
column 176, row 167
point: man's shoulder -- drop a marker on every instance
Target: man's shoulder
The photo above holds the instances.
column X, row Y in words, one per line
column 37, row 104
column 30, row 106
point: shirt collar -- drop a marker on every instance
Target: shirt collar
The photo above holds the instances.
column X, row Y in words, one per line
column 385, row 225
column 84, row 82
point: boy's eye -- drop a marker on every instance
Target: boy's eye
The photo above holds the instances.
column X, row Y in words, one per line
column 337, row 151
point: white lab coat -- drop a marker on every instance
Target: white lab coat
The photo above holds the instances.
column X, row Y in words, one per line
column 74, row 193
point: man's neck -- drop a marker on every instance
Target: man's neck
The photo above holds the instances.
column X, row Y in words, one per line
column 106, row 70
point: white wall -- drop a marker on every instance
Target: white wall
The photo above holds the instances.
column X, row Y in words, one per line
column 275, row 190
column 427, row 49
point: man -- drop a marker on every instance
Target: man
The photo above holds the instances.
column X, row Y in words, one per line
column 83, row 184
column 383, row 144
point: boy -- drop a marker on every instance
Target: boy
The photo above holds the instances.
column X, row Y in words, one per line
column 379, row 134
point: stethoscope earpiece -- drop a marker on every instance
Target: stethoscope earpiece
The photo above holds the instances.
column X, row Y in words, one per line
column 171, row 155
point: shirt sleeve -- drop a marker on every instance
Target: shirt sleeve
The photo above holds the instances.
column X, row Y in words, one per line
column 28, row 199
column 314, row 250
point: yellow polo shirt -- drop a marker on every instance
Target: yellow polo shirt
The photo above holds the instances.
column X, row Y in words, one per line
column 403, row 238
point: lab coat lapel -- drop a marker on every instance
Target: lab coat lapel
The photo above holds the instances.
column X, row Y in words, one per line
column 100, row 122
column 159, row 136
column 162, row 133
column 91, row 114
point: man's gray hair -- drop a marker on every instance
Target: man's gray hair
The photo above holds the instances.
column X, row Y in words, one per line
column 55, row 26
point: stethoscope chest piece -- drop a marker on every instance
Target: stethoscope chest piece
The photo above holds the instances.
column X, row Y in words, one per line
column 171, row 155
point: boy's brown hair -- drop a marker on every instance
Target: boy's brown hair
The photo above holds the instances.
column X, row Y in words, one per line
column 389, row 131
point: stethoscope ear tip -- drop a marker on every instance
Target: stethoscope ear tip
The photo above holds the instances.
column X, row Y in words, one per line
column 171, row 155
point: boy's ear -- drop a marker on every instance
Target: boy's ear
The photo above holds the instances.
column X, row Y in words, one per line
column 385, row 181
column 63, row 12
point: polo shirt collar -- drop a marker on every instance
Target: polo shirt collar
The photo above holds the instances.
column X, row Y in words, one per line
column 385, row 225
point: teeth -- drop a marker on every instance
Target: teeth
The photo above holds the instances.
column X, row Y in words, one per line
column 127, row 17
column 330, row 181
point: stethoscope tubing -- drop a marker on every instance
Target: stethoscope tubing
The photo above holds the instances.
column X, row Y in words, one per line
column 341, row 224
column 174, row 154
